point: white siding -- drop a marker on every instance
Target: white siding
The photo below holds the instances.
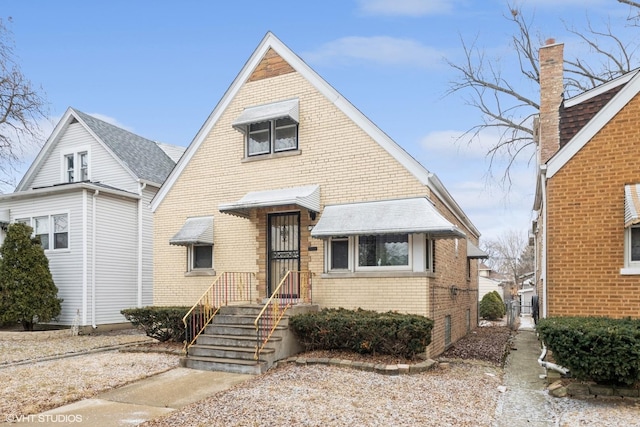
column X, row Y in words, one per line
column 102, row 166
column 65, row 264
column 116, row 257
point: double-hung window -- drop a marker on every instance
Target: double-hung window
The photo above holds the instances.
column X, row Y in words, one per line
column 51, row 230
column 76, row 166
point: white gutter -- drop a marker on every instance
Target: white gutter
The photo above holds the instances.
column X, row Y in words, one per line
column 543, row 264
column 93, row 260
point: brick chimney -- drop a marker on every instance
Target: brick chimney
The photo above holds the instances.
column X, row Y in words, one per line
column 551, row 96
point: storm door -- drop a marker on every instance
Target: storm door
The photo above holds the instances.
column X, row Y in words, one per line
column 284, row 248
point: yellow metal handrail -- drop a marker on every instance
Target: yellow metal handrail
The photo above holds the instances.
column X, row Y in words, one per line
column 229, row 287
column 295, row 287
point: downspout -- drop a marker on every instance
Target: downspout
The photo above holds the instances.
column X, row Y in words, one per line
column 93, row 259
column 84, row 257
column 548, row 365
column 543, row 272
column 140, row 236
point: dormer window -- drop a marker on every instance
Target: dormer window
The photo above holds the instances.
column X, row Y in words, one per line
column 269, row 128
column 76, row 167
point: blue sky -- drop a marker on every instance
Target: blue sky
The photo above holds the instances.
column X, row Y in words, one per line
column 158, row 68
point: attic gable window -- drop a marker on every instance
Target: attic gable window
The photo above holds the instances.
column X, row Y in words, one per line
column 269, row 128
column 75, row 166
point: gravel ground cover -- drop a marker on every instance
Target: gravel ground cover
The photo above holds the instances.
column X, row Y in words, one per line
column 465, row 392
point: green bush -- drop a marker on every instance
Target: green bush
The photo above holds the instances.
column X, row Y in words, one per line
column 492, row 307
column 27, row 292
column 363, row 331
column 161, row 323
column 598, row 349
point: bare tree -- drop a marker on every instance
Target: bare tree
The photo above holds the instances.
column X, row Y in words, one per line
column 507, row 105
column 21, row 107
column 509, row 254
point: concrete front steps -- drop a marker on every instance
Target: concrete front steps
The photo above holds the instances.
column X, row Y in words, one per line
column 228, row 344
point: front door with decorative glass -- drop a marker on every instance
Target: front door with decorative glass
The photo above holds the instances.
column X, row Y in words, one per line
column 284, row 248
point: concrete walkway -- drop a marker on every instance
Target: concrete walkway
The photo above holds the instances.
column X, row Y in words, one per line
column 525, row 401
column 140, row 401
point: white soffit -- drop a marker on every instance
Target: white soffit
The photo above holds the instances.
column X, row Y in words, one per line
column 416, row 215
column 197, row 230
column 262, row 113
column 307, row 197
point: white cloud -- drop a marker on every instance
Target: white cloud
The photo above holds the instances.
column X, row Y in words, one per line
column 110, row 120
column 378, row 49
column 405, row 7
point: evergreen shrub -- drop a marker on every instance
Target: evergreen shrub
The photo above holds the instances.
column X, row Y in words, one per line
column 161, row 323
column 363, row 331
column 598, row 349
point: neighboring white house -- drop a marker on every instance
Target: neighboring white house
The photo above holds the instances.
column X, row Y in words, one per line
column 488, row 281
column 86, row 195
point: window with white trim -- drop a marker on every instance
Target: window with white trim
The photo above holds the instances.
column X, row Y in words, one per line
column 272, row 136
column 400, row 253
column 390, row 251
column 200, row 257
column 430, row 255
column 51, row 230
column 632, row 246
column 76, row 166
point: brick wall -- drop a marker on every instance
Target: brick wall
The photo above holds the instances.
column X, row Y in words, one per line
column 551, row 91
column 586, row 224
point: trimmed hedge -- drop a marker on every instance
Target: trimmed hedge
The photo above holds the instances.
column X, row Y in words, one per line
column 598, row 349
column 363, row 331
column 161, row 323
column 492, row 307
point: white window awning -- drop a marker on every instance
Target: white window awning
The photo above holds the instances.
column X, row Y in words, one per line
column 416, row 215
column 475, row 252
column 631, row 204
column 195, row 231
column 307, row 197
column 261, row 113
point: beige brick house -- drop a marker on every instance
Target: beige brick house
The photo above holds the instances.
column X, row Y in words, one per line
column 287, row 175
column 587, row 231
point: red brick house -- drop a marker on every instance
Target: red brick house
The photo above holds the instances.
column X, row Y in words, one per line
column 587, row 204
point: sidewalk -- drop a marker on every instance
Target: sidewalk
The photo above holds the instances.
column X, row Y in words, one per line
column 525, row 401
column 140, row 401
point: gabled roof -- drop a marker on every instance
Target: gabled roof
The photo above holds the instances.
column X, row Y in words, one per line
column 270, row 41
column 627, row 87
column 144, row 159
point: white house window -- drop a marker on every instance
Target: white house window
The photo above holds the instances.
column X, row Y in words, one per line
column 69, row 167
column 272, row 136
column 387, row 250
column 83, row 159
column 76, row 166
column 60, row 231
column 52, row 230
column 41, row 230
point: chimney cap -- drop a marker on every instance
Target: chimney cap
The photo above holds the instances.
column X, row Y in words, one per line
column 550, row 41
